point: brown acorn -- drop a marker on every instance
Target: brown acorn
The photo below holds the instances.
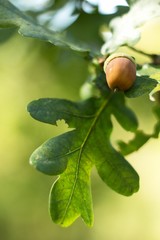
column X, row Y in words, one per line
column 120, row 71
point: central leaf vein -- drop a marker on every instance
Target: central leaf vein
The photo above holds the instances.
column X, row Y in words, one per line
column 81, row 148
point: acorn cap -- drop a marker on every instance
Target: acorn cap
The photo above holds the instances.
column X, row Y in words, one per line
column 117, row 55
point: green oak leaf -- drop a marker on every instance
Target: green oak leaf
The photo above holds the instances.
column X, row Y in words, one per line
column 146, row 80
column 73, row 154
column 133, row 145
column 143, row 85
column 10, row 16
column 140, row 138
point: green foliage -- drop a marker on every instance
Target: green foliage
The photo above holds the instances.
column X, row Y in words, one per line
column 140, row 137
column 73, row 154
column 10, row 16
column 145, row 82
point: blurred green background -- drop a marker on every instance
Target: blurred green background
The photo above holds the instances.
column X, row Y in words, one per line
column 31, row 69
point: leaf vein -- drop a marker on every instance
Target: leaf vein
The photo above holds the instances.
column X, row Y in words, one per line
column 97, row 115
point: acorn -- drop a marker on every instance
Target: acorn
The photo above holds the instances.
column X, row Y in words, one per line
column 120, row 70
